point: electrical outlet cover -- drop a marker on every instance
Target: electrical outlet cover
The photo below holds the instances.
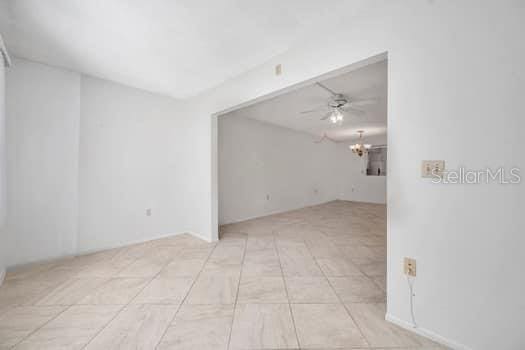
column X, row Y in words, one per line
column 409, row 267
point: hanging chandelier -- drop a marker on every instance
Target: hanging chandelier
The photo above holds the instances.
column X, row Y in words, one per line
column 360, row 148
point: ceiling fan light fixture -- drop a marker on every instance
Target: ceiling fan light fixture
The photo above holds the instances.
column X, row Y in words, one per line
column 336, row 117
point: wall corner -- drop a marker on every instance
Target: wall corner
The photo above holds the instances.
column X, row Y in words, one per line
column 2, row 275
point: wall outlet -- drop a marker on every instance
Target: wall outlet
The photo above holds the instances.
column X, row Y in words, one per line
column 148, row 212
column 431, row 168
column 278, row 69
column 409, row 267
column 267, row 197
column 316, row 191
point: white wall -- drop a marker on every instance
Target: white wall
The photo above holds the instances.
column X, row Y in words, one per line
column 42, row 161
column 3, row 197
column 3, row 172
column 355, row 185
column 132, row 157
column 86, row 158
column 257, row 159
column 456, row 82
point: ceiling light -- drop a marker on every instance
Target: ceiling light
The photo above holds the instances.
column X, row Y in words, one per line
column 360, row 148
column 336, row 116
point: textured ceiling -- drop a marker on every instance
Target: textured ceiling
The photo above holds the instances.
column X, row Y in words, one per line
column 367, row 82
column 174, row 47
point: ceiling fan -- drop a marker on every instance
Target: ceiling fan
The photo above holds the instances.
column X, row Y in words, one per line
column 338, row 105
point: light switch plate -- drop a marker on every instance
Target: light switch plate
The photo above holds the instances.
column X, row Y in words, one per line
column 432, row 168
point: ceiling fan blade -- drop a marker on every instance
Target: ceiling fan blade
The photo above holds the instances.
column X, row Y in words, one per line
column 317, row 109
column 332, row 92
column 320, row 139
column 331, row 139
column 325, row 137
column 354, row 111
column 326, row 116
column 364, row 102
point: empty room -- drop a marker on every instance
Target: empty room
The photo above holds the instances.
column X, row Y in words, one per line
column 254, row 175
column 302, row 211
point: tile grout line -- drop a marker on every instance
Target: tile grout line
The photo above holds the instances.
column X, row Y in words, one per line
column 77, row 277
column 286, row 289
column 370, row 277
column 237, row 294
column 124, row 306
column 117, row 314
column 127, row 265
column 147, row 282
column 338, row 297
column 186, row 296
column 67, row 307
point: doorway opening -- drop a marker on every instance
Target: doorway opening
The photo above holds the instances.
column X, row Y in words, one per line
column 302, row 179
column 321, row 140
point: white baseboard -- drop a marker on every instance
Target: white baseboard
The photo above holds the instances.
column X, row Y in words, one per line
column 2, row 275
column 138, row 241
column 426, row 333
column 199, row 236
column 273, row 212
column 355, row 200
column 91, row 251
column 14, row 268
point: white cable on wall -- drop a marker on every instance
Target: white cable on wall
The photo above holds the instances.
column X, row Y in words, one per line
column 3, row 53
column 412, row 295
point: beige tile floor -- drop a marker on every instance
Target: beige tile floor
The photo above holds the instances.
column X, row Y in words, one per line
column 312, row 278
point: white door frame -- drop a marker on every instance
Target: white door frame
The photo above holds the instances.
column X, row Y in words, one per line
column 214, row 125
